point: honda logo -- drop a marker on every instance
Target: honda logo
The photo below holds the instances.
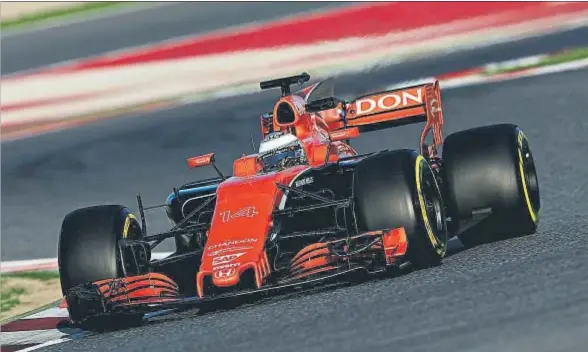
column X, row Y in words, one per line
column 223, row 274
column 245, row 212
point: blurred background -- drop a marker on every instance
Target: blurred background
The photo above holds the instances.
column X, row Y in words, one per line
column 104, row 100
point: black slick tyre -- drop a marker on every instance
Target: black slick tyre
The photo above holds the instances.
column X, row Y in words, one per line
column 398, row 189
column 491, row 183
column 88, row 248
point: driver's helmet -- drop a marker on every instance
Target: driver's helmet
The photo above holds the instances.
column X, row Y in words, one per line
column 281, row 150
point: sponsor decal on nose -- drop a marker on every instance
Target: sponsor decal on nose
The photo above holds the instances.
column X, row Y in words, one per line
column 249, row 212
column 225, row 273
column 225, row 258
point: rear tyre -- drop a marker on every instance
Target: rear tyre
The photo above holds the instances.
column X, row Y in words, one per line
column 490, row 171
column 88, row 249
column 398, row 189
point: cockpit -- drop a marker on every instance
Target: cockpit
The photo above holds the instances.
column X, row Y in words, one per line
column 281, row 150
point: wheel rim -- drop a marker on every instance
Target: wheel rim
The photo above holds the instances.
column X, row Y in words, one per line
column 529, row 177
column 433, row 209
column 530, row 174
column 433, row 204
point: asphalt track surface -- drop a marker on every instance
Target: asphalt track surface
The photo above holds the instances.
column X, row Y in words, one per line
column 32, row 49
column 524, row 294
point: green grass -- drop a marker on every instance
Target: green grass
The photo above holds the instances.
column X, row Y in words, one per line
column 10, row 298
column 37, row 310
column 559, row 58
column 567, row 56
column 34, row 275
column 62, row 12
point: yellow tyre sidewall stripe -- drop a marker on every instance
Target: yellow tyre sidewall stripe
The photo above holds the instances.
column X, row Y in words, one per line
column 130, row 217
column 532, row 213
column 439, row 247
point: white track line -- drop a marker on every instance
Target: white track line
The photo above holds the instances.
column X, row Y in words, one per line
column 31, row 336
column 53, row 312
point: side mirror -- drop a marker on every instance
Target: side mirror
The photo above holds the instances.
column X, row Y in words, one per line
column 204, row 160
column 201, row 160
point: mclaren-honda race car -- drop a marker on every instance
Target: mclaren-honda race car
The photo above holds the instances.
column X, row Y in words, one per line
column 307, row 208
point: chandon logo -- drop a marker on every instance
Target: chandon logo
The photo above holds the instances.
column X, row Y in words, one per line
column 230, row 244
column 388, row 101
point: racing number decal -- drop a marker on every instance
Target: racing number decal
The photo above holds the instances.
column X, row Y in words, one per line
column 439, row 247
column 520, row 139
column 127, row 225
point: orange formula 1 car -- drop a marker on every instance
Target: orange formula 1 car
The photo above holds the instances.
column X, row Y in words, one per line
column 307, row 208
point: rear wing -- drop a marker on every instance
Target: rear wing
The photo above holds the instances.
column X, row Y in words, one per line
column 419, row 103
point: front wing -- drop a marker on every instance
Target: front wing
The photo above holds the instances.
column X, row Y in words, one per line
column 150, row 292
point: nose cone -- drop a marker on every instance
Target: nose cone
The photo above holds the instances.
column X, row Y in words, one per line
column 237, row 236
column 239, row 228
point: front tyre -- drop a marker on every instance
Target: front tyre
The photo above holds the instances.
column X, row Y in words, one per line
column 88, row 248
column 398, row 189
